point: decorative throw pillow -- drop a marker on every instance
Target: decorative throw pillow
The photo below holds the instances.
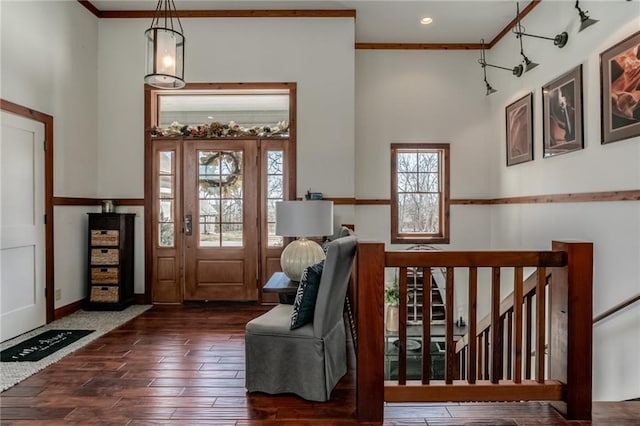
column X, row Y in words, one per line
column 305, row 302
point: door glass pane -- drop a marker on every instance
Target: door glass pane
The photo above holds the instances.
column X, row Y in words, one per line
column 220, row 184
column 232, row 235
column 166, row 211
column 166, row 232
column 166, row 198
column 275, row 192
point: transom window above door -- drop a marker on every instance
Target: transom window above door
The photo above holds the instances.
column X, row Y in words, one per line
column 258, row 109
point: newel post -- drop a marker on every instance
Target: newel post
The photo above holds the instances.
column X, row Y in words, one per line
column 370, row 260
column 571, row 334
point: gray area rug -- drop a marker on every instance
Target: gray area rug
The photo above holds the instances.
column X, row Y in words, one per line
column 100, row 321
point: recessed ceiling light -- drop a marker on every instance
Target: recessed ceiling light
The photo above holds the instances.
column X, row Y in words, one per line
column 426, row 20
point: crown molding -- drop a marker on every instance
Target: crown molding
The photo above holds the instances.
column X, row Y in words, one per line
column 312, row 13
column 275, row 13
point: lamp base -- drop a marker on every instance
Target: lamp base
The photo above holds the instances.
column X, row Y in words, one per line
column 298, row 255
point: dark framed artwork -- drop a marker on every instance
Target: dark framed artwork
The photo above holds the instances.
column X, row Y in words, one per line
column 519, row 118
column 562, row 114
column 619, row 83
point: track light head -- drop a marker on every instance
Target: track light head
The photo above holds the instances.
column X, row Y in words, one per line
column 490, row 90
column 528, row 64
column 585, row 21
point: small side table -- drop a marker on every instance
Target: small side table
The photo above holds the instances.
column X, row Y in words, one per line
column 281, row 284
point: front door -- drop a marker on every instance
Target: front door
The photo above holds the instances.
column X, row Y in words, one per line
column 220, row 220
column 22, row 229
column 213, row 217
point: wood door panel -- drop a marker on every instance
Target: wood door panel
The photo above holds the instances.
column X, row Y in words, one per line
column 166, row 270
column 221, row 272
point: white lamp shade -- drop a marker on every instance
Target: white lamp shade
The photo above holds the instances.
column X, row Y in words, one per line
column 304, row 218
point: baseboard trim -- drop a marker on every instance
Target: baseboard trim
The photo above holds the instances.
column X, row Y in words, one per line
column 67, row 309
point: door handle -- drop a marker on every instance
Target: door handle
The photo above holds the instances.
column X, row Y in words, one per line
column 188, row 225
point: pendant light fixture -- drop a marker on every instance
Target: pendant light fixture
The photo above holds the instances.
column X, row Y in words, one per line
column 165, row 48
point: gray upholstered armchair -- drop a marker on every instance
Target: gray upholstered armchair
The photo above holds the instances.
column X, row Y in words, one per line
column 310, row 360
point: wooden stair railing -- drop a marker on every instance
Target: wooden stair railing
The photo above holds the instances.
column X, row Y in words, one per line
column 570, row 334
column 506, row 319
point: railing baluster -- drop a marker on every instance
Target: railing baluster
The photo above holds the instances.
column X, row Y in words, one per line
column 449, row 316
column 540, row 324
column 495, row 326
column 480, row 356
column 402, row 327
column 528, row 336
column 487, row 358
column 473, row 303
column 517, row 312
column 426, row 325
column 509, row 351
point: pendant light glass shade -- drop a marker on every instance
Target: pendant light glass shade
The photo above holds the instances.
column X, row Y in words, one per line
column 165, row 49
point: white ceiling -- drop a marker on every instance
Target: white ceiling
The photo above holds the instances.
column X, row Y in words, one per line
column 377, row 21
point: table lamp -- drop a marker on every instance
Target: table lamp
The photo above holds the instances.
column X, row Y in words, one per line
column 302, row 219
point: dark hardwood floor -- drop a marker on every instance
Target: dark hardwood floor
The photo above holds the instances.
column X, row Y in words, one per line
column 185, row 365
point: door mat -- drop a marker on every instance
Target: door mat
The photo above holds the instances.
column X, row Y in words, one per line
column 42, row 345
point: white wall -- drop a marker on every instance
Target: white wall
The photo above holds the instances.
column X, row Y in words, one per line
column 613, row 227
column 420, row 96
column 315, row 53
column 49, row 63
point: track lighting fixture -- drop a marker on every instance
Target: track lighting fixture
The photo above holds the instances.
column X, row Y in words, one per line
column 517, row 70
column 585, row 21
column 560, row 40
column 528, row 64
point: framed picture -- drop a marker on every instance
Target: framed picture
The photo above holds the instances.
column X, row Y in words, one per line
column 619, row 82
column 519, row 118
column 562, row 114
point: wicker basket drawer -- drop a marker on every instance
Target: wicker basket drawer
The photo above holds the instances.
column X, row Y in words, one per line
column 105, row 276
column 104, row 256
column 104, row 294
column 105, row 238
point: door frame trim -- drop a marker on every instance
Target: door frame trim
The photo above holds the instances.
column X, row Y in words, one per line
column 47, row 121
column 150, row 108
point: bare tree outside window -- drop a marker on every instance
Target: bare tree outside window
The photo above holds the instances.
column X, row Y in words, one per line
column 275, row 193
column 420, row 193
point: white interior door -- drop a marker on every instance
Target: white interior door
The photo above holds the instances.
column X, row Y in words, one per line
column 22, row 230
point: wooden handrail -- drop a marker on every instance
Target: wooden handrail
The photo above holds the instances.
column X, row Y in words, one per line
column 567, row 383
column 616, row 308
